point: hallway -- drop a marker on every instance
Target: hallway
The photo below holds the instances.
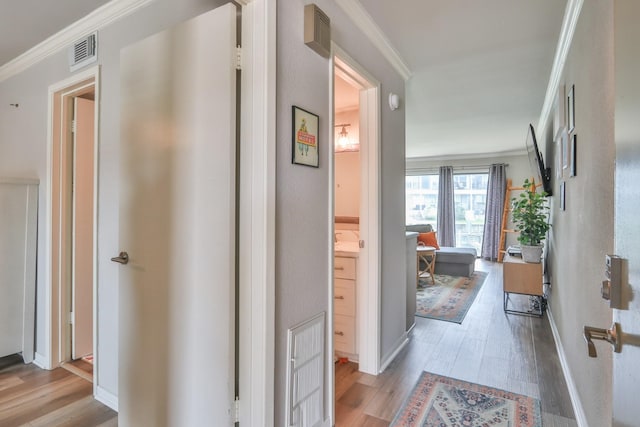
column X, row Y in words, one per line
column 510, row 352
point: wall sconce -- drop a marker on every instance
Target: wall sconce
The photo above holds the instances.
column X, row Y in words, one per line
column 343, row 142
column 394, row 101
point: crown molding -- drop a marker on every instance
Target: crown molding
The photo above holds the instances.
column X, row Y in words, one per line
column 361, row 18
column 569, row 22
column 99, row 18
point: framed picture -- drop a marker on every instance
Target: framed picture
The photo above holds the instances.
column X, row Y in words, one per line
column 304, row 137
column 571, row 113
column 562, row 196
column 559, row 156
column 565, row 150
column 574, row 160
column 559, row 112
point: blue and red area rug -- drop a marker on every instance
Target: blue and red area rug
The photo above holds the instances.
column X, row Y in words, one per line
column 438, row 401
column 449, row 298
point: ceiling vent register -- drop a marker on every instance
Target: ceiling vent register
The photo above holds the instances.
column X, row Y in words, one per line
column 83, row 52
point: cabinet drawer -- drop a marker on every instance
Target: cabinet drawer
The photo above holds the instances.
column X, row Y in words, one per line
column 344, row 268
column 344, row 333
column 344, row 297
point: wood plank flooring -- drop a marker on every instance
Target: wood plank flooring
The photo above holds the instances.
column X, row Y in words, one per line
column 506, row 351
column 30, row 396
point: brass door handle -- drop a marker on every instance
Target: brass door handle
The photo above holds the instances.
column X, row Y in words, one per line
column 338, row 297
column 339, row 333
column 122, row 258
column 612, row 336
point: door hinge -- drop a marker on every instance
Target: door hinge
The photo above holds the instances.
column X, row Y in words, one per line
column 361, row 244
column 73, row 126
column 70, row 319
column 238, row 57
column 236, row 410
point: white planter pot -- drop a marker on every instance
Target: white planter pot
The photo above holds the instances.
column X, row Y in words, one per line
column 531, row 253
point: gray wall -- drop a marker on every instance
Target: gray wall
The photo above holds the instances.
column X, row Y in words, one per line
column 302, row 201
column 583, row 233
column 23, row 151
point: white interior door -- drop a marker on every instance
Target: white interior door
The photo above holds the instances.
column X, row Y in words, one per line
column 626, row 369
column 82, row 257
column 177, row 223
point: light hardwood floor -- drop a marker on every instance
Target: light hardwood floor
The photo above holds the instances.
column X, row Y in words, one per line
column 30, row 396
column 506, row 351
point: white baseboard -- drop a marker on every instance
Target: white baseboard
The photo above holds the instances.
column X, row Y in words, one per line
column 581, row 418
column 106, row 397
column 400, row 344
column 41, row 362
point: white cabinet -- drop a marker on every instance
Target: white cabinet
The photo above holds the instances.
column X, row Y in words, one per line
column 345, row 294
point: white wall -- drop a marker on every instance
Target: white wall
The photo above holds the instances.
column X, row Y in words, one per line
column 23, row 139
column 582, row 235
column 302, row 201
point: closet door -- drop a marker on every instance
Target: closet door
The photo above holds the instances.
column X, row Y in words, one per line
column 177, row 225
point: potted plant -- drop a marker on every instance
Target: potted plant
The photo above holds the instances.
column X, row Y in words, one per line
column 530, row 217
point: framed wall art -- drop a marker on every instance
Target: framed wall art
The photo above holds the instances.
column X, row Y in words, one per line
column 571, row 113
column 574, row 155
column 304, row 137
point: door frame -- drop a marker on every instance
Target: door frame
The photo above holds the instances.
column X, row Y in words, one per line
column 256, row 271
column 58, row 135
column 368, row 296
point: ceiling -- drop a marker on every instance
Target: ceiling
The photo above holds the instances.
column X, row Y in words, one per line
column 25, row 23
column 479, row 68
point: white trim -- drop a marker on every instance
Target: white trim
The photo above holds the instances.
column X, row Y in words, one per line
column 106, row 397
column 20, row 181
column 99, row 18
column 41, row 361
column 369, row 272
column 400, row 344
column 581, row 417
column 53, row 310
column 569, row 22
column 257, row 222
column 359, row 16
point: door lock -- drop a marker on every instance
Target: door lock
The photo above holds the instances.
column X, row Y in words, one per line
column 122, row 258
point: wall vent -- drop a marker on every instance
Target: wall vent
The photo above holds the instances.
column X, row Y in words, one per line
column 306, row 374
column 83, row 52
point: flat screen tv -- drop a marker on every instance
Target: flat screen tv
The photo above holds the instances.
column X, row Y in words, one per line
column 541, row 174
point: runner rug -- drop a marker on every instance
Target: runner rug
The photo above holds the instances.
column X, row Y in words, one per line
column 449, row 298
column 447, row 402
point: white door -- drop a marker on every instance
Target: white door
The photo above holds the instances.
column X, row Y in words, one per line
column 177, row 224
column 82, row 257
column 626, row 369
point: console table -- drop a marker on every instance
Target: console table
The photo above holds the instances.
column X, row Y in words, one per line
column 524, row 278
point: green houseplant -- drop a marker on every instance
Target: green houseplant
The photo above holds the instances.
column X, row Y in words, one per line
column 530, row 217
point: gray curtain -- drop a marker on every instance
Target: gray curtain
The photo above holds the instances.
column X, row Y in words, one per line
column 493, row 211
column 446, row 208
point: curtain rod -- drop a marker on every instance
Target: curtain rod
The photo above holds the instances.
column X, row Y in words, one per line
column 436, row 169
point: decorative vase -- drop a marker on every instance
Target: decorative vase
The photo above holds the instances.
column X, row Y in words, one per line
column 531, row 254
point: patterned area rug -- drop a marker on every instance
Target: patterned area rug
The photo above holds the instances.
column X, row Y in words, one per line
column 450, row 298
column 446, row 402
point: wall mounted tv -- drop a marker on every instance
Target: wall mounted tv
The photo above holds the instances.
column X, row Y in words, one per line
column 541, row 174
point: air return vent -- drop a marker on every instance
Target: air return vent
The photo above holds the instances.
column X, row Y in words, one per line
column 83, row 52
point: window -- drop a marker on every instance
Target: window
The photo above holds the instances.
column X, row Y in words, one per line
column 470, row 197
column 422, row 200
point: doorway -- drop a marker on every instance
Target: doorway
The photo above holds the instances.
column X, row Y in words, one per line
column 73, row 181
column 355, row 293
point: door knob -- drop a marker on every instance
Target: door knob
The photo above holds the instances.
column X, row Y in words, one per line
column 122, row 258
column 612, row 336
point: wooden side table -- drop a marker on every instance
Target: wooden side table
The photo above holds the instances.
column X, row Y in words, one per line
column 426, row 254
column 519, row 277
